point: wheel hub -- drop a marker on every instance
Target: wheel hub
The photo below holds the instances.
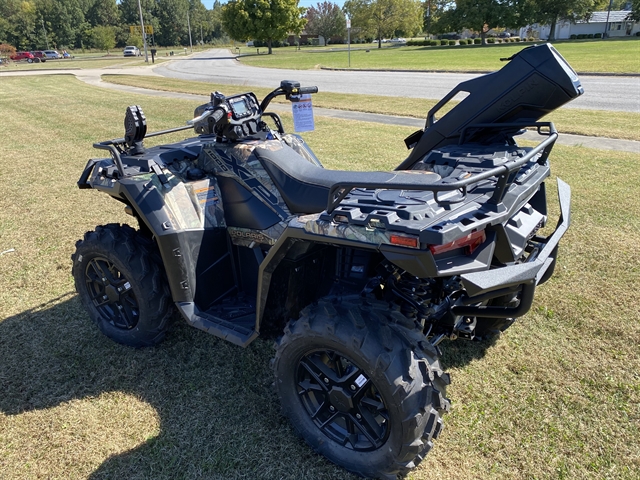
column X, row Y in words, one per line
column 111, row 292
column 341, row 399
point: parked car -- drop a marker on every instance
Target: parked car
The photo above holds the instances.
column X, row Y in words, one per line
column 39, row 54
column 66, row 54
column 52, row 54
column 398, row 40
column 131, row 51
column 504, row 35
column 28, row 56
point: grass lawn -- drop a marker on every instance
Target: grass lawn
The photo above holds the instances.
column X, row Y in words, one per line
column 601, row 123
column 557, row 396
column 590, row 56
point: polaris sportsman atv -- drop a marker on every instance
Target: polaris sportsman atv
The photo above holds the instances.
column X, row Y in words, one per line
column 361, row 274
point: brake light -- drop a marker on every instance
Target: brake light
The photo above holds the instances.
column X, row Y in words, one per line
column 470, row 243
column 404, row 241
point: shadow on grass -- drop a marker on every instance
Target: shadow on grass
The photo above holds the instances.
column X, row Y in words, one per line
column 219, row 416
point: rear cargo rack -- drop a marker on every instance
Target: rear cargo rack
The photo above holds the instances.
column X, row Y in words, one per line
column 339, row 191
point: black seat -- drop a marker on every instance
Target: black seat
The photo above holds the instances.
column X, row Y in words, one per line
column 305, row 187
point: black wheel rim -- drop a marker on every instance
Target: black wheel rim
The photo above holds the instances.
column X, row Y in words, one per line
column 111, row 293
column 342, row 400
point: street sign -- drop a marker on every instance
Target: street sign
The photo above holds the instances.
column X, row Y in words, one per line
column 348, row 23
column 136, row 29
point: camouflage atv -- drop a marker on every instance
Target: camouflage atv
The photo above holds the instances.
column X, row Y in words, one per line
column 361, row 275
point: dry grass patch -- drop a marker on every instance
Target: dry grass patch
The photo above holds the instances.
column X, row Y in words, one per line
column 558, row 396
column 597, row 123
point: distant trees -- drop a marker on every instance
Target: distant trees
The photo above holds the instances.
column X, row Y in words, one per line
column 38, row 24
column 385, row 18
column 326, row 20
column 265, row 20
column 549, row 12
column 479, row 16
column 103, row 38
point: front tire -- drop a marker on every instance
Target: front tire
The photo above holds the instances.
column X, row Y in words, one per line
column 360, row 387
column 121, row 282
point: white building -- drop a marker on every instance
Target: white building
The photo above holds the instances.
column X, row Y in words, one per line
column 619, row 26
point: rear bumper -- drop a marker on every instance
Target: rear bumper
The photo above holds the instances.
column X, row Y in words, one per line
column 524, row 277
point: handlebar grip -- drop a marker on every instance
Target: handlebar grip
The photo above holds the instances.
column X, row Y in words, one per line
column 305, row 90
column 218, row 114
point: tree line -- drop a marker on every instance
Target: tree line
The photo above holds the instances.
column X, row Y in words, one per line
column 104, row 24
column 269, row 20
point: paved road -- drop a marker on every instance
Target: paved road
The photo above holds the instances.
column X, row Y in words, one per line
column 219, row 66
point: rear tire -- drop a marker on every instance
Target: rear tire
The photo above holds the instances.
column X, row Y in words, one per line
column 121, row 282
column 360, row 387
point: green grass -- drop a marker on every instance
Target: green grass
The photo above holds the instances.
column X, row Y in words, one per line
column 594, row 56
column 601, row 123
column 557, row 396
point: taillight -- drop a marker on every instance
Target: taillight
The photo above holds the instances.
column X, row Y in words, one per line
column 404, row 241
column 469, row 243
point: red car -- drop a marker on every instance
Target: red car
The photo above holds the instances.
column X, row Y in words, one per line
column 28, row 56
column 39, row 54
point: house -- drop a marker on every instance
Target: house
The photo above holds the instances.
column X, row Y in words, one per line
column 619, row 25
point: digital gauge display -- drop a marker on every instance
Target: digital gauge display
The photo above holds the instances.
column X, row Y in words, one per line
column 240, row 108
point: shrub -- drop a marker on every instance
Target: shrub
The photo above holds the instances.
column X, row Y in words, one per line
column 433, row 43
column 531, row 39
column 516, row 39
column 491, row 40
column 444, row 42
column 572, row 37
column 637, row 34
column 452, row 42
column 590, row 35
column 581, row 36
column 599, row 35
column 477, row 41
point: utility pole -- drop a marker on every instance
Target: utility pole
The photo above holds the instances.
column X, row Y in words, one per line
column 144, row 34
column 606, row 25
column 189, row 25
column 45, row 33
column 349, row 39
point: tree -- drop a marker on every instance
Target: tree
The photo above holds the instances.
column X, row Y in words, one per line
column 481, row 16
column 103, row 12
column 549, row 12
column 264, row 20
column 103, row 38
column 326, row 20
column 385, row 18
column 635, row 11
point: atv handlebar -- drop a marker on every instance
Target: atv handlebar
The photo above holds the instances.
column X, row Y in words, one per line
column 217, row 113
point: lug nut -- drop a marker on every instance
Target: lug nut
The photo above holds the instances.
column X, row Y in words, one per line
column 326, row 380
column 332, row 408
column 353, row 387
column 358, row 416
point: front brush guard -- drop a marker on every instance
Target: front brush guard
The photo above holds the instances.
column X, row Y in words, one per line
column 524, row 277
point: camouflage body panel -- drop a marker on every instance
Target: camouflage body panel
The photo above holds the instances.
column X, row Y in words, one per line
column 237, row 161
column 375, row 236
column 247, row 237
column 297, row 143
column 190, row 205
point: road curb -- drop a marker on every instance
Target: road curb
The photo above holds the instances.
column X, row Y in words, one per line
column 473, row 72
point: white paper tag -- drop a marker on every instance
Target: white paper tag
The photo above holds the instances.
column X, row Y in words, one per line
column 303, row 114
column 361, row 380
